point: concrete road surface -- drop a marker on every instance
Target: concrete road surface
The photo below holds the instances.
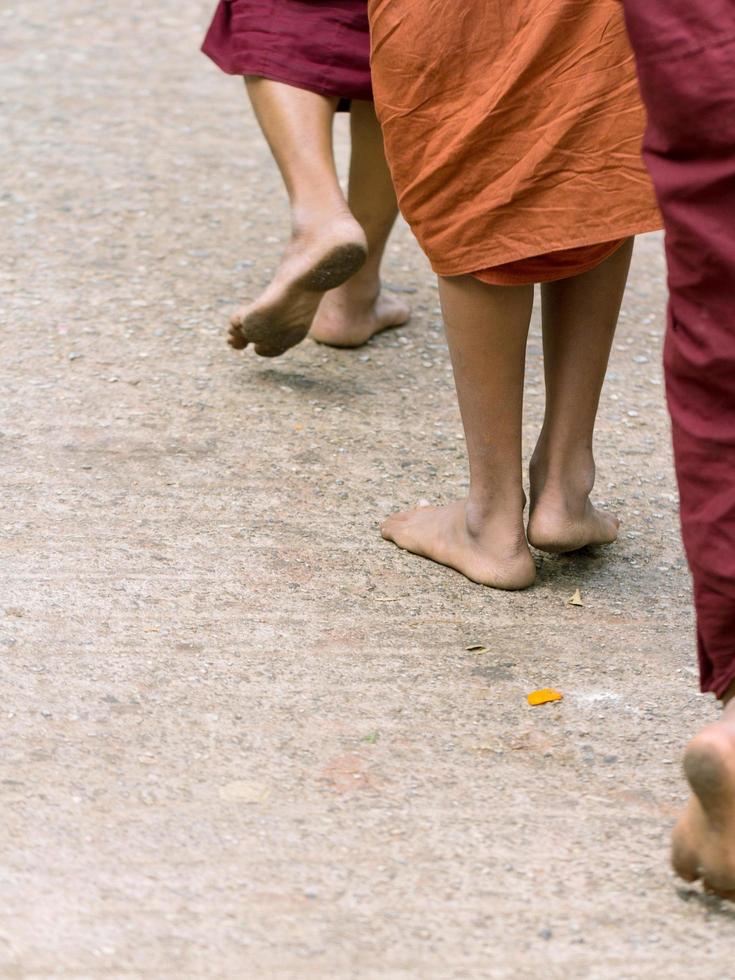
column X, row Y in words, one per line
column 241, row 736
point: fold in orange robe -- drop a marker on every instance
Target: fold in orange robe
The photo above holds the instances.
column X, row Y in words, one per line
column 513, row 127
column 549, row 267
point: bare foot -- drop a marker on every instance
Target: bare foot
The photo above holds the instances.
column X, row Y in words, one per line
column 562, row 517
column 346, row 318
column 312, row 264
column 556, row 527
column 703, row 845
column 494, row 554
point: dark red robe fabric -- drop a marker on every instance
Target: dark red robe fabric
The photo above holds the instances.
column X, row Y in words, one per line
column 685, row 51
column 319, row 45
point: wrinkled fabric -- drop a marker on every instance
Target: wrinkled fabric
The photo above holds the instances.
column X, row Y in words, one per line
column 319, row 45
column 512, row 128
column 686, row 61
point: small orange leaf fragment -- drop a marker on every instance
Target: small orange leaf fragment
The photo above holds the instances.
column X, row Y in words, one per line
column 544, row 696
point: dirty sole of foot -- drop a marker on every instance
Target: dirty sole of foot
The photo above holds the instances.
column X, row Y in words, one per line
column 275, row 326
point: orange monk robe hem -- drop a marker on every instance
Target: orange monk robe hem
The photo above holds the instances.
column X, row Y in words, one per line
column 551, row 267
column 637, row 228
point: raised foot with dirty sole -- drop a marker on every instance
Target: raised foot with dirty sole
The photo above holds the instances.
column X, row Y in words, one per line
column 281, row 318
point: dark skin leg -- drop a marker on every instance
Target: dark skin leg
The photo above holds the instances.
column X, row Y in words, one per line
column 482, row 537
column 328, row 243
column 579, row 320
column 351, row 314
column 487, row 326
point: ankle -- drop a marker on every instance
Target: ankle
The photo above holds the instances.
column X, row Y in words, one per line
column 362, row 289
column 490, row 514
column 568, row 475
column 311, row 221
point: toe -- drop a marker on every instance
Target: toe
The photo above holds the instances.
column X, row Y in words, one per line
column 386, row 527
column 402, row 315
column 684, row 859
column 400, row 518
column 607, row 529
column 612, row 533
column 727, row 893
column 235, row 339
column 394, row 526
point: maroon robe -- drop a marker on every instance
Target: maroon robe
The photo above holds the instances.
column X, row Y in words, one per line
column 685, row 51
column 319, row 45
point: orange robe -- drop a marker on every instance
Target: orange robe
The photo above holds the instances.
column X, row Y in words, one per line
column 513, row 129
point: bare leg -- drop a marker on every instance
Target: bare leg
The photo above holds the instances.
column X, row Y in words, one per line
column 704, row 837
column 483, row 537
column 351, row 314
column 579, row 319
column 327, row 244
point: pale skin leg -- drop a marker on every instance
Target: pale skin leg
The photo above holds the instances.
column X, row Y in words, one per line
column 349, row 315
column 703, row 845
column 483, row 536
column 328, row 244
column 579, row 319
column 487, row 327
